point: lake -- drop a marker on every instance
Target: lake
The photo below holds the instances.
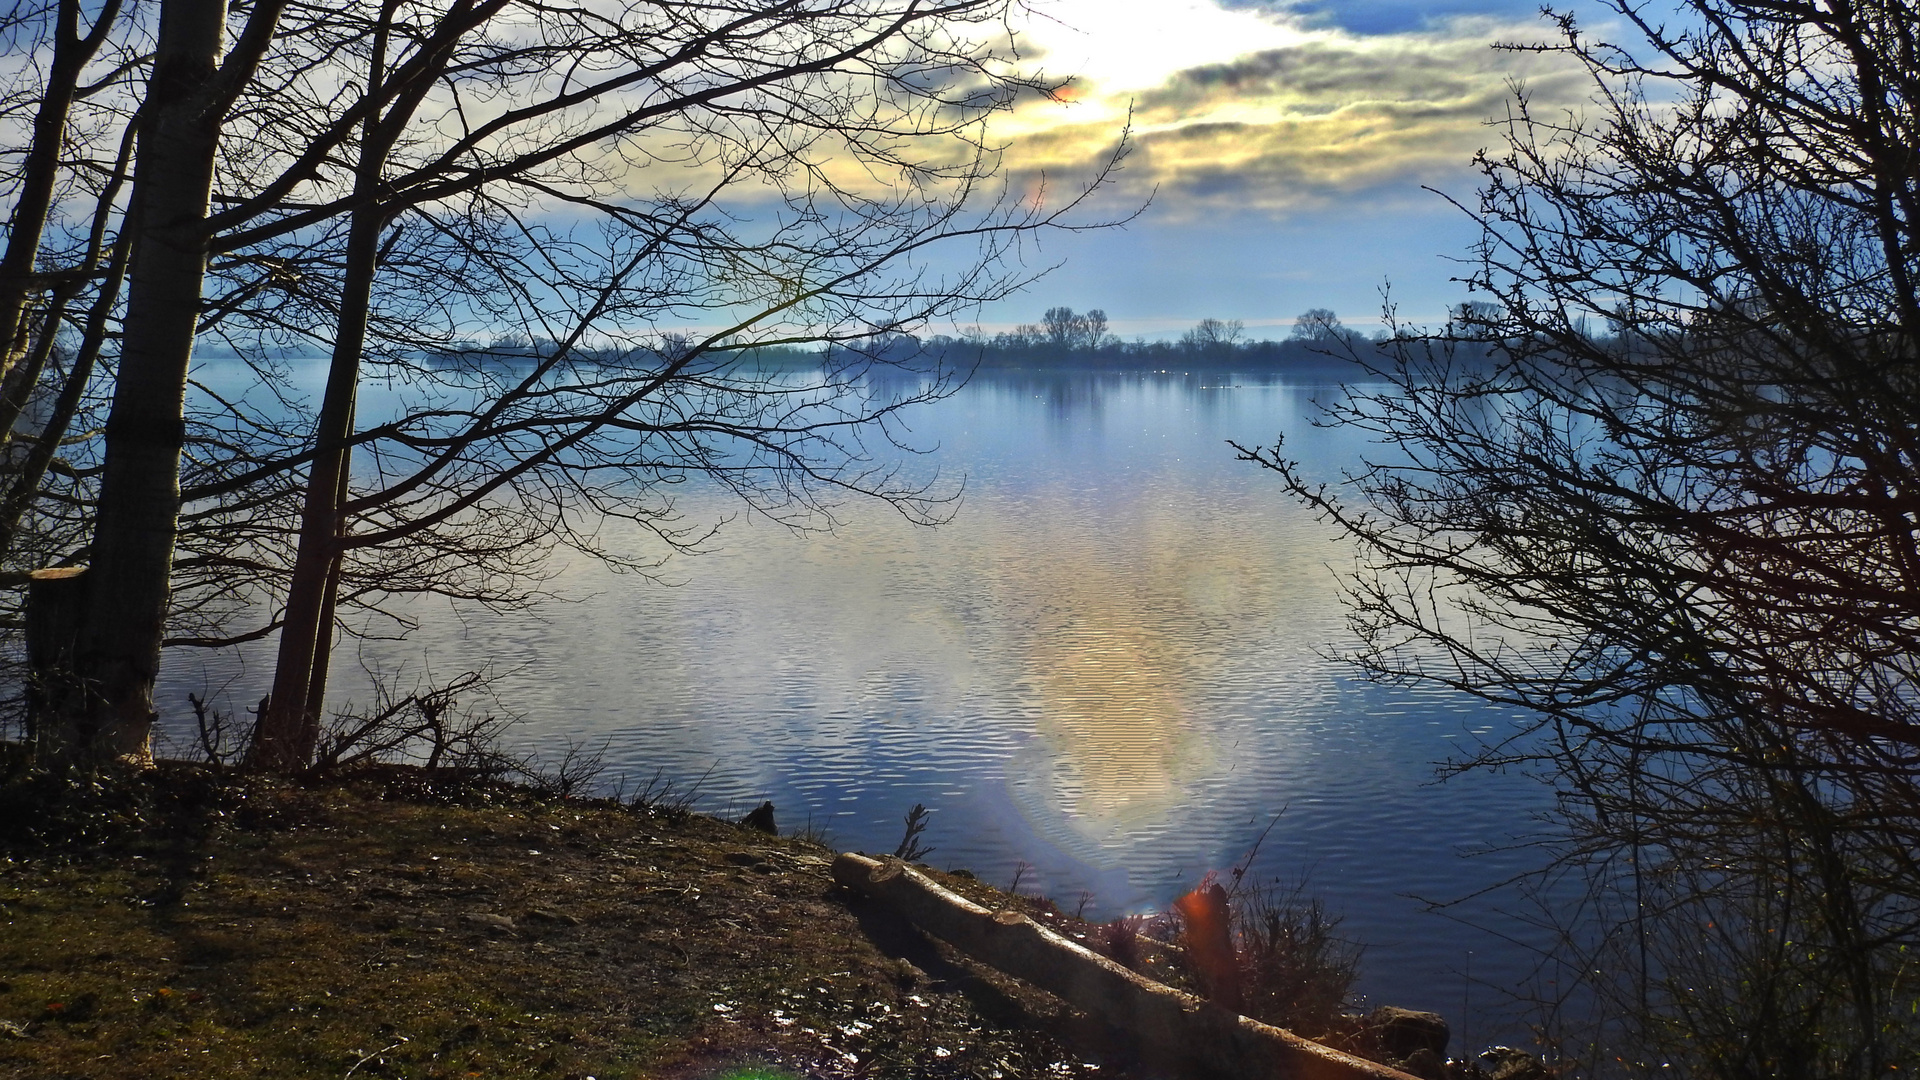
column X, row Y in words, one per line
column 1107, row 675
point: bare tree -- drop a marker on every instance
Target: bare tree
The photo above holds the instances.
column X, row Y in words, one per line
column 1214, row 335
column 106, row 706
column 69, row 102
column 1319, row 325
column 1067, row 330
column 849, row 129
column 71, row 53
column 1689, row 545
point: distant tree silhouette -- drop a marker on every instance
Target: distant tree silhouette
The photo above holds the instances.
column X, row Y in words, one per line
column 1097, row 336
column 1065, row 330
column 1214, row 335
column 1062, row 328
column 1318, row 325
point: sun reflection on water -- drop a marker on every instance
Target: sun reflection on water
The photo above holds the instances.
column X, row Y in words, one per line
column 1109, row 707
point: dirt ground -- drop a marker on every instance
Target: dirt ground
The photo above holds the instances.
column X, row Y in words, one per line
column 217, row 928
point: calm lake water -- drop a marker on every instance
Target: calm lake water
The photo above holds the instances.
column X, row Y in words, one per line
column 1107, row 674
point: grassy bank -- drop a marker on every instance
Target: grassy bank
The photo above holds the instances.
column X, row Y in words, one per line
column 219, row 928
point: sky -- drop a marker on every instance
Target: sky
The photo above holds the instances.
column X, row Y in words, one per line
column 1283, row 151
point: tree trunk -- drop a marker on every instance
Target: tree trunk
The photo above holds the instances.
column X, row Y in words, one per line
column 288, row 731
column 41, row 168
column 289, row 727
column 56, row 600
column 323, row 645
column 132, row 554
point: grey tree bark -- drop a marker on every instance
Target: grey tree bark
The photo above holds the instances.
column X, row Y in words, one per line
column 118, row 654
column 288, row 730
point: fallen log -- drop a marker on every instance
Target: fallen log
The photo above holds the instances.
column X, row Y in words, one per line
column 1167, row 1020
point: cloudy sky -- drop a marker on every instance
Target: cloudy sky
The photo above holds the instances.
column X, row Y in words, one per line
column 1284, row 146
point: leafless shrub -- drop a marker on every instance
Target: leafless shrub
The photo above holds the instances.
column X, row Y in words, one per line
column 426, row 727
column 1280, row 958
column 1120, row 939
column 573, row 774
column 1020, row 871
column 910, row 848
column 220, row 740
column 660, row 796
column 1654, row 497
column 1296, row 971
column 814, row 832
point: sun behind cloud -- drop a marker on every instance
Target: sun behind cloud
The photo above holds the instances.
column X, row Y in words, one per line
column 1253, row 110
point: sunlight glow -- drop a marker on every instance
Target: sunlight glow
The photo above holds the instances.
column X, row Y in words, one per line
column 1118, row 46
column 1245, row 109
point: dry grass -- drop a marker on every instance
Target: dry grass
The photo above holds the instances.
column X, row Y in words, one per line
column 263, row 930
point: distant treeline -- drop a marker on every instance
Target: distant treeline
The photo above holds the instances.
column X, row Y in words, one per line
column 1063, row 338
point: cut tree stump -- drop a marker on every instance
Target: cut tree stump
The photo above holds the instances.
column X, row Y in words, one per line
column 56, row 601
column 1169, row 1021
